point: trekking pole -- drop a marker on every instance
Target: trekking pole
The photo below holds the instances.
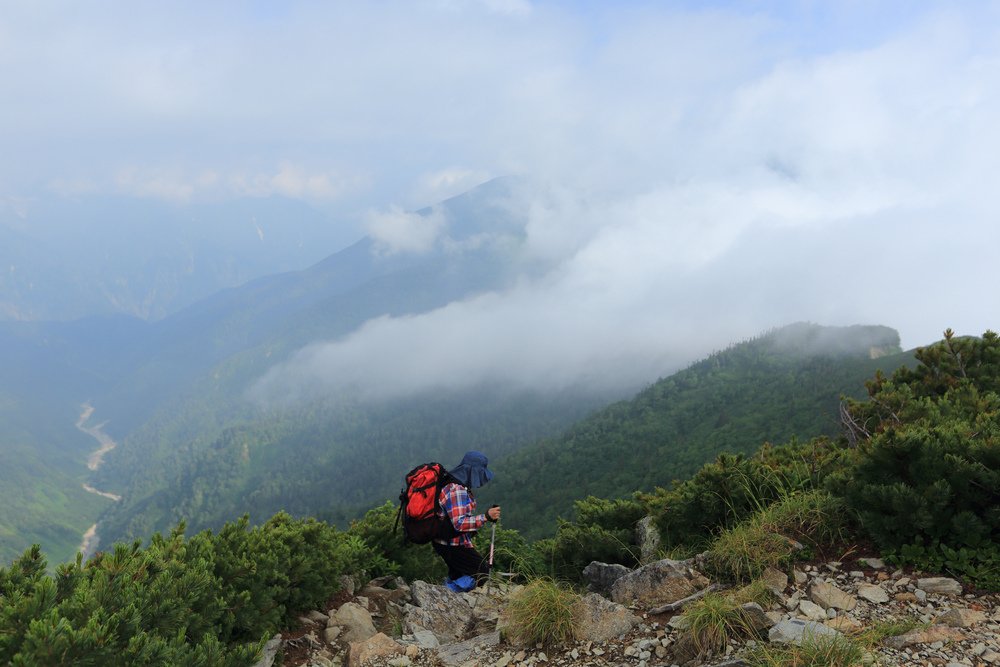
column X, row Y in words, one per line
column 493, row 538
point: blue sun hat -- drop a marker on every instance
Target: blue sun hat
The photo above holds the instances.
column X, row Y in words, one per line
column 472, row 472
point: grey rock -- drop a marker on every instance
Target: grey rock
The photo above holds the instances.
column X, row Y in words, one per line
column 355, row 620
column 775, row 580
column 875, row 594
column 271, row 649
column 827, row 596
column 331, row 633
column 941, row 585
column 439, row 611
column 812, row 611
column 598, row 619
column 601, row 576
column 647, row 536
column 658, row 583
column 756, row 617
column 874, row 563
column 457, row 653
column 795, row 631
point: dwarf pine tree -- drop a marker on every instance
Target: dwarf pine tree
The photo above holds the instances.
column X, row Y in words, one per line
column 211, row 600
column 926, row 478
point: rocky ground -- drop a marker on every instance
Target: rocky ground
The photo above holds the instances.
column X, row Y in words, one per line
column 629, row 621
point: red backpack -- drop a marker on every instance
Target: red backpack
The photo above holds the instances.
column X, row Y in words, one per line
column 418, row 505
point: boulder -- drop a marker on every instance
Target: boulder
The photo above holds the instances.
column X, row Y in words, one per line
column 598, row 619
column 829, row 596
column 457, row 653
column 942, row 585
column 658, row 583
column 439, row 611
column 795, row 631
column 601, row 576
column 647, row 536
column 331, row 633
column 355, row 620
column 376, row 646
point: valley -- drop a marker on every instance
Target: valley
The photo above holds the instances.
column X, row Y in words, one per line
column 91, row 540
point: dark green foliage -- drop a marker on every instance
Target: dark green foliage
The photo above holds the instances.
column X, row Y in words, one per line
column 211, row 600
column 787, row 383
column 410, row 561
column 357, row 456
column 926, row 475
column 604, row 530
column 733, row 487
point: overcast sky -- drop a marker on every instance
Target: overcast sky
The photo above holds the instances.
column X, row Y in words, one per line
column 711, row 169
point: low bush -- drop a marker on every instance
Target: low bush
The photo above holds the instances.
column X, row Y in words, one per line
column 209, row 600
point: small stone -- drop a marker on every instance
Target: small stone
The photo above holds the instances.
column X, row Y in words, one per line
column 812, row 611
column 920, row 594
column 874, row 594
column 827, row 595
column 942, row 585
column 775, row 580
column 874, row 563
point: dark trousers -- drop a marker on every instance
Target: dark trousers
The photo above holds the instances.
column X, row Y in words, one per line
column 463, row 561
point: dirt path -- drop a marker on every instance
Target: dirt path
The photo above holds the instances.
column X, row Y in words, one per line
column 91, row 539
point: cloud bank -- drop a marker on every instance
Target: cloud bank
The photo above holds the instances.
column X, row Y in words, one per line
column 715, row 169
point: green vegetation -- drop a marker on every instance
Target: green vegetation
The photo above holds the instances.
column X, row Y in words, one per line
column 924, row 478
column 836, row 651
column 210, row 600
column 771, row 536
column 543, row 612
column 785, row 384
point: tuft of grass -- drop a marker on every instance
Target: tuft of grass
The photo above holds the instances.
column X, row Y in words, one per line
column 541, row 613
column 744, row 551
column 718, row 617
column 836, row 651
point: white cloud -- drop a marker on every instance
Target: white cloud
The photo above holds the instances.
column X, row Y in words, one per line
column 398, row 231
column 718, row 170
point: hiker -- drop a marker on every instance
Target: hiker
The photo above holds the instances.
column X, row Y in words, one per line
column 466, row 568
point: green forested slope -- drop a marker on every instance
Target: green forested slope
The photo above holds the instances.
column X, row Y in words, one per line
column 785, row 384
column 333, row 460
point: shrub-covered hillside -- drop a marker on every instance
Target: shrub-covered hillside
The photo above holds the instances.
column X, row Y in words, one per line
column 787, row 383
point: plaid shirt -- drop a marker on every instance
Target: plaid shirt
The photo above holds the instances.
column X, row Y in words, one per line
column 460, row 507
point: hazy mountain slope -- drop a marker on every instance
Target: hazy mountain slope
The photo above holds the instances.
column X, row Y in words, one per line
column 783, row 384
column 334, row 460
column 72, row 257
